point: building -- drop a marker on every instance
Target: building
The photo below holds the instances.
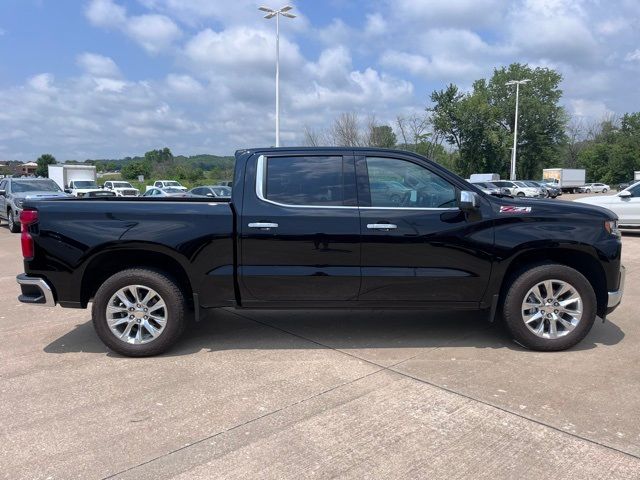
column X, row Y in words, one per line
column 28, row 168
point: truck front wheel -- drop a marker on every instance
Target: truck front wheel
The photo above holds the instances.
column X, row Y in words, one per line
column 139, row 312
column 550, row 307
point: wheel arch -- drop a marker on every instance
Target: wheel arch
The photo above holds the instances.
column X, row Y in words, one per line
column 579, row 260
column 109, row 262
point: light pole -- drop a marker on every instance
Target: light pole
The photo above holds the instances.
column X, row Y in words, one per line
column 517, row 83
column 284, row 11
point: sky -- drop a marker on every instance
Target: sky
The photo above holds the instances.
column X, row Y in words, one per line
column 112, row 78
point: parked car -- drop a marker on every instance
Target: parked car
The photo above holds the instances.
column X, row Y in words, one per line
column 547, row 190
column 282, row 241
column 226, row 183
column 218, row 191
column 121, row 189
column 390, row 192
column 166, row 192
column 517, row 188
column 595, row 188
column 15, row 191
column 552, row 188
column 162, row 184
column 625, row 204
column 624, row 185
column 488, row 188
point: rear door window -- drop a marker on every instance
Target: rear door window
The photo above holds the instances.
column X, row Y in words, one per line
column 308, row 181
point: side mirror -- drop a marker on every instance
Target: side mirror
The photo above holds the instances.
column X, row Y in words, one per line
column 625, row 194
column 67, row 190
column 469, row 201
column 3, row 193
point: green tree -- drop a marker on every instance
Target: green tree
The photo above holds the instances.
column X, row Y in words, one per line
column 613, row 154
column 132, row 170
column 382, row 136
column 480, row 123
column 43, row 162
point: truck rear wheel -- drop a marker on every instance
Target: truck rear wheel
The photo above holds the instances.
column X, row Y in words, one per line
column 139, row 312
column 550, row 307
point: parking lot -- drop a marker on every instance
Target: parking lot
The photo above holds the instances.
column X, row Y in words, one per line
column 376, row 394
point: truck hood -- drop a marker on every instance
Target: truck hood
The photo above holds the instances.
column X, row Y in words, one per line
column 556, row 207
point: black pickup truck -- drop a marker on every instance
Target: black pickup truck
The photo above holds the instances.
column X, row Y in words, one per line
column 324, row 228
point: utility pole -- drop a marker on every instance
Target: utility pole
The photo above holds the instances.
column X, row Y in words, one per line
column 284, row 11
column 517, row 83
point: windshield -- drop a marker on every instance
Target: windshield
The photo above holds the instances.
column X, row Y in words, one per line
column 21, row 186
column 122, row 185
column 531, row 184
column 172, row 184
column 84, row 184
column 173, row 190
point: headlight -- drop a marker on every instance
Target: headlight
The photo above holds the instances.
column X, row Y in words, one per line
column 611, row 226
column 18, row 202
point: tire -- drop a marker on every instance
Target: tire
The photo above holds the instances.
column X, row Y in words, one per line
column 604, row 190
column 519, row 291
column 520, row 194
column 140, row 341
column 14, row 227
column 588, row 190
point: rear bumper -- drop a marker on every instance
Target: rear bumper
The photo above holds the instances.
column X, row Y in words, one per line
column 35, row 291
column 616, row 297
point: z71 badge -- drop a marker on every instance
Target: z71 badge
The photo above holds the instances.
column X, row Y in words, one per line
column 514, row 209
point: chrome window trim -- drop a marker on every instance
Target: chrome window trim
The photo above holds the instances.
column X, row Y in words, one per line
column 261, row 170
column 261, row 177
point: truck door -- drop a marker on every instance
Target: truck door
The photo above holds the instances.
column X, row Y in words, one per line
column 422, row 249
column 300, row 230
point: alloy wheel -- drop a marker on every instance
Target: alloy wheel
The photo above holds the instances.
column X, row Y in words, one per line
column 136, row 314
column 552, row 309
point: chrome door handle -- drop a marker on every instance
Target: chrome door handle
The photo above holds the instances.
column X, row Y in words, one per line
column 263, row 225
column 381, row 226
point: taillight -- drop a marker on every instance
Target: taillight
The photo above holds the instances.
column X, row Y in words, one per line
column 27, row 217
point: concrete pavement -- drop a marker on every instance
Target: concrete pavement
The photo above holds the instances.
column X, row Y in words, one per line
column 316, row 394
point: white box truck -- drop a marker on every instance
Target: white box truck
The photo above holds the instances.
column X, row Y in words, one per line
column 77, row 180
column 484, row 177
column 636, row 176
column 569, row 180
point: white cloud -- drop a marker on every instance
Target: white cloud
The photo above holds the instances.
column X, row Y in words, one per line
column 612, row 26
column 592, row 109
column 155, row 33
column 553, row 29
column 184, row 85
column 376, row 24
column 633, row 56
column 447, row 13
column 42, row 82
column 105, row 13
column 240, row 49
column 98, row 65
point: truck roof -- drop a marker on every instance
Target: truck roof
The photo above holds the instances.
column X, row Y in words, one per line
column 321, row 149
